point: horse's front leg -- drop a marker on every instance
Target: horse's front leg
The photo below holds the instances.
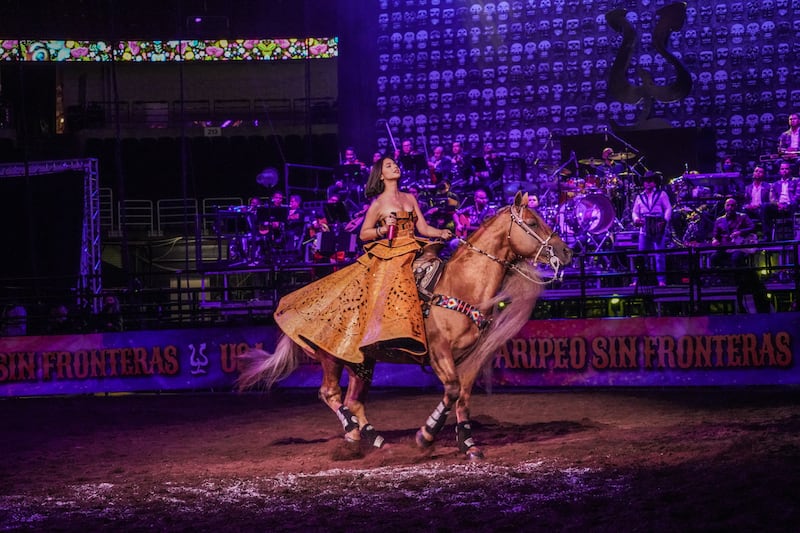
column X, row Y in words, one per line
column 466, row 444
column 442, row 363
column 330, row 392
column 359, row 381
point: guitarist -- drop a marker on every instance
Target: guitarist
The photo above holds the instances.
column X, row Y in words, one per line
column 734, row 227
column 468, row 219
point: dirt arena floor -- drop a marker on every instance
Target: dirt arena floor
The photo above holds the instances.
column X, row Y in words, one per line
column 585, row 460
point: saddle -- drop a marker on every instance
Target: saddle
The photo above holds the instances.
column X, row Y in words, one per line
column 428, row 268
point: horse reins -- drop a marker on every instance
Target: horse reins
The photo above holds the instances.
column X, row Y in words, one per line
column 554, row 262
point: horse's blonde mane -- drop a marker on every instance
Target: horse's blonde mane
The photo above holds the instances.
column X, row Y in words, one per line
column 519, row 296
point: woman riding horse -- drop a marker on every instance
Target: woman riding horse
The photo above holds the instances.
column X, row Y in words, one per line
column 370, row 311
column 370, row 306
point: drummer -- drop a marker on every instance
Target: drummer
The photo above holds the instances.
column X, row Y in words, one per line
column 611, row 163
column 603, row 171
column 612, row 183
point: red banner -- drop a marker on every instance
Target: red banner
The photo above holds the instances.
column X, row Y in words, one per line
column 688, row 351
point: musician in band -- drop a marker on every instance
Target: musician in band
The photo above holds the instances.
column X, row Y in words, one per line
column 253, row 205
column 733, row 227
column 789, row 140
column 783, row 197
column 468, row 219
column 439, row 165
column 756, row 198
column 443, row 203
column 652, row 211
column 611, row 181
column 295, row 223
column 609, row 166
column 248, row 247
column 276, row 200
column 489, row 169
column 338, row 188
column 411, row 161
column 461, row 169
column 273, row 220
column 350, row 158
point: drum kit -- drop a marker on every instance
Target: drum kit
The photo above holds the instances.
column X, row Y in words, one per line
column 591, row 201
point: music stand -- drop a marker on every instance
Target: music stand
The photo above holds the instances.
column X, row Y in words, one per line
column 335, row 213
column 412, row 163
column 348, row 173
column 271, row 214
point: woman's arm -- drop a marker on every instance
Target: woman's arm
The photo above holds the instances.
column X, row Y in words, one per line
column 368, row 230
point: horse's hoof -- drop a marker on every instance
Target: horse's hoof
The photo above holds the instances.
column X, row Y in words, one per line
column 422, row 442
column 371, row 437
column 348, row 450
column 474, row 454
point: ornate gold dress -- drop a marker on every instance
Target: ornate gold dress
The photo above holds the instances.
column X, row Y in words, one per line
column 370, row 306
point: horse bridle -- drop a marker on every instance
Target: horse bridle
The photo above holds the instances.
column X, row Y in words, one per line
column 554, row 261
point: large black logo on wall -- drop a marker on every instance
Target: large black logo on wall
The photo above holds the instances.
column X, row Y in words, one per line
column 670, row 19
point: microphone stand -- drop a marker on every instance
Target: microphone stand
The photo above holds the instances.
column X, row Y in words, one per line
column 631, row 168
column 557, row 173
column 629, row 146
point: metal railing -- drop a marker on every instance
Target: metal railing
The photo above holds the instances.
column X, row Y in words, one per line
column 176, row 216
column 162, row 113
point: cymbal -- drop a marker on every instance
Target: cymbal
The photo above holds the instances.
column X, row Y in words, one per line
column 622, row 156
column 552, row 169
column 592, row 162
column 628, row 175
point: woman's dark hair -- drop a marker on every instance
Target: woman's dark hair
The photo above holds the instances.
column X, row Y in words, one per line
column 375, row 184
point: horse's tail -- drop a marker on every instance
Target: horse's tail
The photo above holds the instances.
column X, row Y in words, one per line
column 518, row 296
column 261, row 367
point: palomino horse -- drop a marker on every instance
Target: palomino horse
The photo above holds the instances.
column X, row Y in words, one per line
column 464, row 326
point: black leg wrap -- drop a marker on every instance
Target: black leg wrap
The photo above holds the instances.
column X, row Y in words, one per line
column 370, row 434
column 464, row 436
column 436, row 420
column 347, row 418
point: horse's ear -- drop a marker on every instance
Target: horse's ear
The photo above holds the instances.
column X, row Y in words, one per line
column 521, row 199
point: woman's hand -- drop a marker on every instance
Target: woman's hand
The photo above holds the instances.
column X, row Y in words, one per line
column 446, row 234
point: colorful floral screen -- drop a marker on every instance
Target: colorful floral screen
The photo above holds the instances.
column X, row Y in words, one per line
column 178, row 50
